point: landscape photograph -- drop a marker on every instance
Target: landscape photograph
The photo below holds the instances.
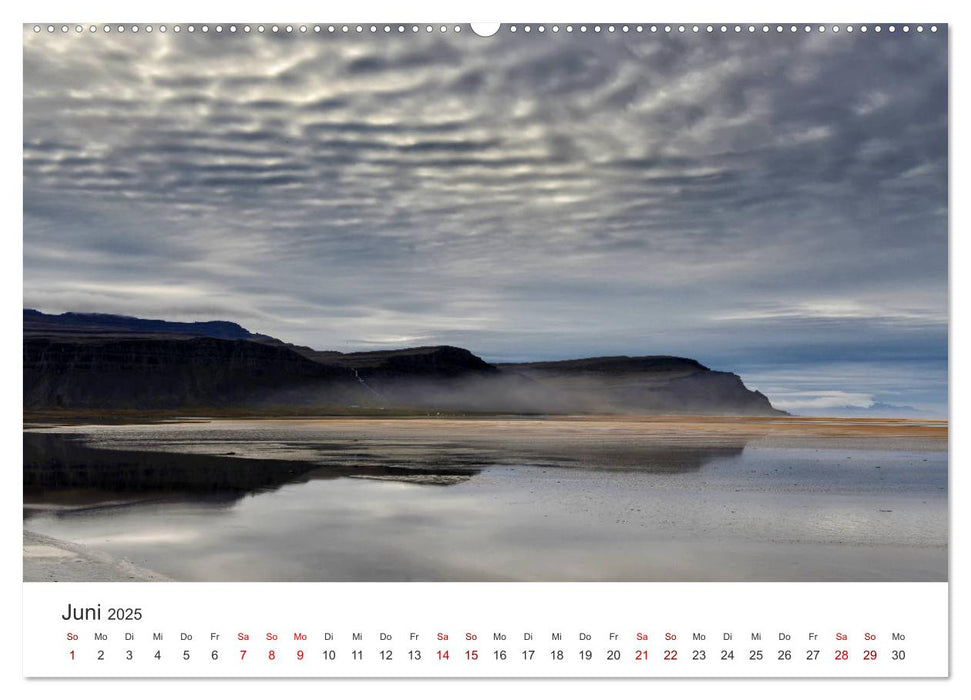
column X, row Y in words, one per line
column 405, row 303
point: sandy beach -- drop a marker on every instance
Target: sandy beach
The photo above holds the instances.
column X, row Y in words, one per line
column 49, row 559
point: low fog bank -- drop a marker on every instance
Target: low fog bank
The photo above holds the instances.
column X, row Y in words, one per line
column 704, row 392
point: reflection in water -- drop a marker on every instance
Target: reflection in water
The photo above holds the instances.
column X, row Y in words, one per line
column 59, row 462
column 261, row 500
column 64, row 462
column 56, row 463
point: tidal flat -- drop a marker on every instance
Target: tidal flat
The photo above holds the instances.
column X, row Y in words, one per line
column 567, row 498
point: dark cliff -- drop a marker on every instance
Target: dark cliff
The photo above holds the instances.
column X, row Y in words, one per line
column 653, row 383
column 160, row 372
column 98, row 361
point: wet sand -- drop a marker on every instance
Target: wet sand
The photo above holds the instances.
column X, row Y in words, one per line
column 50, row 559
column 929, row 432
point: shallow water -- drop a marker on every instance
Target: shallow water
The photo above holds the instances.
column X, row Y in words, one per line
column 386, row 500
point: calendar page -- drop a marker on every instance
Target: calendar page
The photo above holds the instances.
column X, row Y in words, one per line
column 519, row 350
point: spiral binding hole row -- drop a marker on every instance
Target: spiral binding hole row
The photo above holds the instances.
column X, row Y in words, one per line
column 443, row 28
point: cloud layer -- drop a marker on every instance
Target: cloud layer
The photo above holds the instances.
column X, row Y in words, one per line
column 759, row 200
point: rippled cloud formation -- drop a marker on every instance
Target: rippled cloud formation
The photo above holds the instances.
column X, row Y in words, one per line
column 771, row 203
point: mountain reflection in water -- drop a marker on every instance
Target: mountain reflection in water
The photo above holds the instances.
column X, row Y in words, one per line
column 527, row 499
column 63, row 467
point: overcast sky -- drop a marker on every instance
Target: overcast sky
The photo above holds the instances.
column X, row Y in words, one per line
column 774, row 205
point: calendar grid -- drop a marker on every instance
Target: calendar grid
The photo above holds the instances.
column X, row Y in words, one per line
column 511, row 630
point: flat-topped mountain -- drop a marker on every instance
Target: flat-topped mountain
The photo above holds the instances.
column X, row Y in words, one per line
column 92, row 361
column 614, row 364
column 36, row 322
column 428, row 360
